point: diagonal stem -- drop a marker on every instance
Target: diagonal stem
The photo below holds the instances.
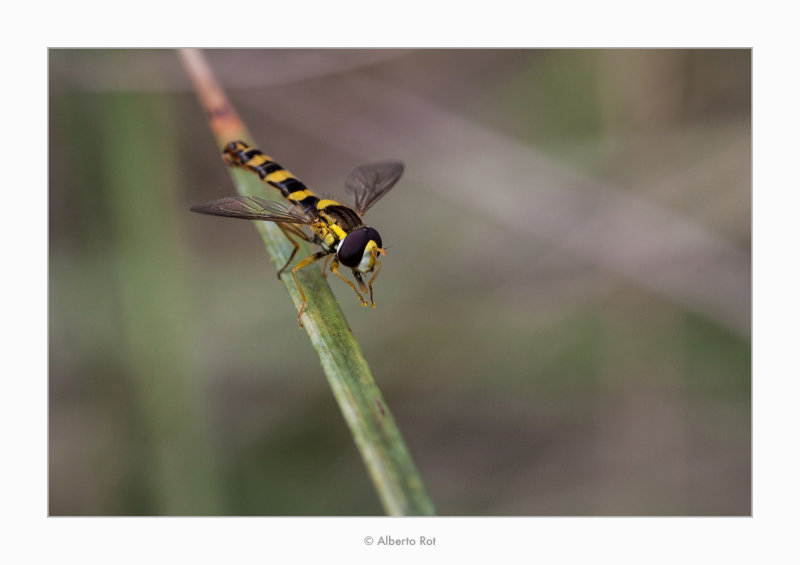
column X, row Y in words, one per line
column 376, row 435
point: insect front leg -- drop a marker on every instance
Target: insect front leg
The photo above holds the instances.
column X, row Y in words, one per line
column 377, row 266
column 335, row 269
column 360, row 281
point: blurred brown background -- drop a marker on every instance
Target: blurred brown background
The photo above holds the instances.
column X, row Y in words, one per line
column 562, row 323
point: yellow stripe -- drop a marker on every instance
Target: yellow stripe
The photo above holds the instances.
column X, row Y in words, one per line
column 300, row 194
column 258, row 160
column 340, row 233
column 324, row 203
column 279, row 176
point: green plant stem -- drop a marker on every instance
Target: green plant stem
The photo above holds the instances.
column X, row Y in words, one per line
column 376, row 435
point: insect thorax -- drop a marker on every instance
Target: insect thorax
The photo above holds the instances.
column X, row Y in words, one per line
column 335, row 222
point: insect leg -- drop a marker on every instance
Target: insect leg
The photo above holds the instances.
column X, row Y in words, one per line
column 360, row 282
column 291, row 229
column 375, row 252
column 325, row 265
column 378, row 265
column 335, row 269
column 304, row 263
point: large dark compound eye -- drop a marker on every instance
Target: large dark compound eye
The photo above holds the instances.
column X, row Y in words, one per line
column 351, row 251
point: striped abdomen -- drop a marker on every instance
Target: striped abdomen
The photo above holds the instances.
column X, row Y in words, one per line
column 238, row 153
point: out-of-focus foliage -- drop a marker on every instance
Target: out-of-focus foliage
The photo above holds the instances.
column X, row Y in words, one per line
column 562, row 322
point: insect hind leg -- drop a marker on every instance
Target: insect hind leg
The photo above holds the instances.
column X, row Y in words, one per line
column 325, row 266
column 305, row 263
column 288, row 229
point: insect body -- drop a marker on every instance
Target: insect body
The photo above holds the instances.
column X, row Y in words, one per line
column 338, row 229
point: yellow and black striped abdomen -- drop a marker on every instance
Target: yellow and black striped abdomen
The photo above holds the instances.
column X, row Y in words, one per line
column 239, row 154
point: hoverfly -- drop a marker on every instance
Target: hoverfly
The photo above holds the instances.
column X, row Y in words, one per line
column 338, row 229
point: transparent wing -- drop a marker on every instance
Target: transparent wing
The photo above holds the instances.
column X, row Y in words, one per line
column 252, row 208
column 369, row 182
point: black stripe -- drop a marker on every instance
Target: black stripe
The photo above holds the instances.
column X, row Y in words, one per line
column 290, row 185
column 309, row 202
column 267, row 169
column 249, row 154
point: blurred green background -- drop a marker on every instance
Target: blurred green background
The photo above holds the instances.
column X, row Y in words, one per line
column 562, row 322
